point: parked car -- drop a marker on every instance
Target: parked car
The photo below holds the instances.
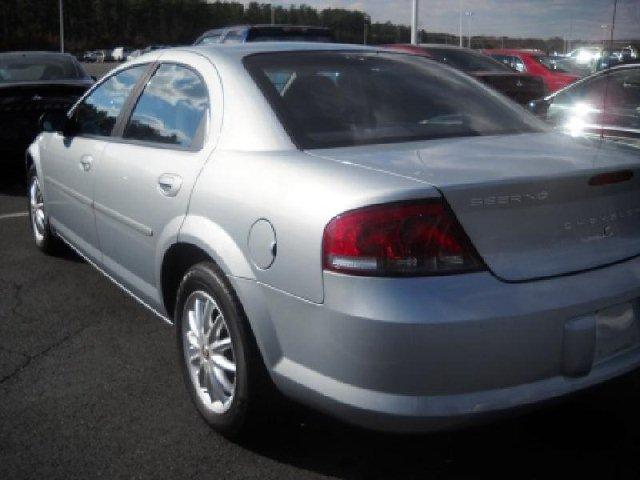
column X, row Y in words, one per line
column 585, row 56
column 605, row 104
column 120, row 54
column 265, row 33
column 520, row 87
column 94, row 56
column 537, row 64
column 612, row 57
column 133, row 54
column 32, row 83
column 378, row 236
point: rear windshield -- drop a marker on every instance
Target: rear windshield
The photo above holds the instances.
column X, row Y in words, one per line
column 290, row 34
column 39, row 69
column 331, row 99
column 467, row 61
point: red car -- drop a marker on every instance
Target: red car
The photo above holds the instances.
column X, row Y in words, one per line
column 534, row 63
column 520, row 87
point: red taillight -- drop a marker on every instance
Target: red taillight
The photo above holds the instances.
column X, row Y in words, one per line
column 420, row 238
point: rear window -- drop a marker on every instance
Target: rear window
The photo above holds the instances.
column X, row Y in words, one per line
column 290, row 34
column 467, row 61
column 39, row 69
column 331, row 99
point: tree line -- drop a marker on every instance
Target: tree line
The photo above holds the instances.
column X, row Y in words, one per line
column 94, row 24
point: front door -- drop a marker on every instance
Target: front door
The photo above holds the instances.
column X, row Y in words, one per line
column 71, row 161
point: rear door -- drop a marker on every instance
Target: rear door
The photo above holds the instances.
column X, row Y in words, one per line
column 145, row 179
column 70, row 162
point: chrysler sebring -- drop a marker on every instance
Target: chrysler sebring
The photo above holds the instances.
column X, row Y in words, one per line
column 371, row 233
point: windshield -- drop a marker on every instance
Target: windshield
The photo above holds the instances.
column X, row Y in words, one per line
column 328, row 99
column 467, row 61
column 39, row 69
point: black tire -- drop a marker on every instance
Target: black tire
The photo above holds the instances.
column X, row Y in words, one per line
column 45, row 240
column 252, row 384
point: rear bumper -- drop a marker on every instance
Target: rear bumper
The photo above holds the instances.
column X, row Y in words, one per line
column 430, row 353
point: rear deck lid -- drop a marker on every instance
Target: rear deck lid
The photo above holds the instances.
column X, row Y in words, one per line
column 534, row 205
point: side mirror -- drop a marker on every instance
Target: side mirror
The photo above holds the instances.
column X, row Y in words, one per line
column 70, row 127
column 52, row 122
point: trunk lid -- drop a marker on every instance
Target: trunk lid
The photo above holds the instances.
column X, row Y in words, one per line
column 531, row 204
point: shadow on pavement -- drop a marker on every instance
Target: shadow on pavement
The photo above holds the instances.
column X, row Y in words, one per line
column 594, row 434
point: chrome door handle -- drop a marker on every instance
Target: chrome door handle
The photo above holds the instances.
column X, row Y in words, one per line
column 85, row 162
column 169, row 184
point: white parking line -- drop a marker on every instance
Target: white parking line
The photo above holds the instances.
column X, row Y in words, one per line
column 13, row 215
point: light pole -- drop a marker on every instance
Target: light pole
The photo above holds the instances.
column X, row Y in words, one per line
column 367, row 20
column 460, row 25
column 469, row 14
column 414, row 23
column 273, row 15
column 604, row 27
column 61, row 26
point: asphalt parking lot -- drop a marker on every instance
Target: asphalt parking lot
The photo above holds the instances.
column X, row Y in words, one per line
column 90, row 388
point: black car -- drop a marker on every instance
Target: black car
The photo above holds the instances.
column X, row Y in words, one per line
column 265, row 33
column 32, row 83
column 605, row 105
column 520, row 87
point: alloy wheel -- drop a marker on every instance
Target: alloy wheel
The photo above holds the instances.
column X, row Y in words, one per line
column 208, row 352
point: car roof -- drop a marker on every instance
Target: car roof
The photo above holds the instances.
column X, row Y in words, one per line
column 237, row 51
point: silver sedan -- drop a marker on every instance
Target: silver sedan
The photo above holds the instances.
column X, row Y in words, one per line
column 371, row 233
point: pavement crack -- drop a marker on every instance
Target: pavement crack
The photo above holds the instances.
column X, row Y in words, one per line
column 14, row 312
column 31, row 358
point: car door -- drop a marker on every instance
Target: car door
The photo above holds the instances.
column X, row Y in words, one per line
column 71, row 160
column 621, row 118
column 145, row 179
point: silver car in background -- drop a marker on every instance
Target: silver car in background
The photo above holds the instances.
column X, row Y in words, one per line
column 375, row 234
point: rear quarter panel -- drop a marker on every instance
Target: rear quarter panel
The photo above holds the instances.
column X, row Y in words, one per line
column 298, row 194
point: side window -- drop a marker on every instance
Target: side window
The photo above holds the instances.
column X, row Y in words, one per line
column 235, row 36
column 210, row 39
column 517, row 64
column 171, row 110
column 97, row 113
column 624, row 90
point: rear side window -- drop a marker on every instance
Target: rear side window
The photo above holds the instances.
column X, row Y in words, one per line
column 98, row 112
column 171, row 110
column 332, row 99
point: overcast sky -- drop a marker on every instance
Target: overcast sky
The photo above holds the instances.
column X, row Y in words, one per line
column 520, row 18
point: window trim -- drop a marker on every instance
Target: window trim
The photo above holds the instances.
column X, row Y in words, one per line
column 72, row 110
column 199, row 140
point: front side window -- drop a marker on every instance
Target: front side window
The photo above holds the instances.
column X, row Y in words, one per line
column 210, row 39
column 98, row 112
column 330, row 99
column 171, row 110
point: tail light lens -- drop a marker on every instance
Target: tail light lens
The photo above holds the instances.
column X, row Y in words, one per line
column 421, row 238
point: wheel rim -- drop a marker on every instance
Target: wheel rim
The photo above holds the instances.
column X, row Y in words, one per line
column 208, row 352
column 36, row 204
